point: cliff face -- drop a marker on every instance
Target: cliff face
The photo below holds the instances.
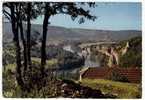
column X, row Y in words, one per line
column 122, row 53
column 115, row 55
column 126, row 54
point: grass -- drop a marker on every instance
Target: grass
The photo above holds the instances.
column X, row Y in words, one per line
column 52, row 62
column 10, row 85
column 35, row 59
column 10, row 67
column 49, row 63
column 121, row 89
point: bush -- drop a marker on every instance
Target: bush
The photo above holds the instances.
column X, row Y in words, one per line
column 8, row 54
column 133, row 57
column 36, row 84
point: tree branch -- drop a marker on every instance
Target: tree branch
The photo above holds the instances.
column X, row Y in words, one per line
column 5, row 12
column 7, row 15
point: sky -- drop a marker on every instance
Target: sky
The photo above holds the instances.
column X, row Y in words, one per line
column 110, row 16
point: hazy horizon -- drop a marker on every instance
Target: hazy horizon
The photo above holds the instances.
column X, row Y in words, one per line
column 83, row 28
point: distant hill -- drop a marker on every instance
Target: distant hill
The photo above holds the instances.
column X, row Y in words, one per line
column 58, row 34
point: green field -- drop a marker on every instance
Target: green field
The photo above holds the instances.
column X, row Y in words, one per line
column 120, row 89
column 49, row 63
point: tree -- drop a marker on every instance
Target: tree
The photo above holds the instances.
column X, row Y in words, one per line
column 20, row 23
column 19, row 12
column 45, row 23
column 68, row 8
column 14, row 22
column 29, row 7
column 16, row 13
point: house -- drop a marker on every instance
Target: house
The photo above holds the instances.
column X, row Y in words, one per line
column 132, row 74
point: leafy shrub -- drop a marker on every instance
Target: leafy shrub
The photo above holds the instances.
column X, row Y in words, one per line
column 36, row 84
column 133, row 57
column 8, row 54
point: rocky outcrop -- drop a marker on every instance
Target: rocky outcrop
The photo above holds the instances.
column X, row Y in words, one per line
column 70, row 89
column 124, row 50
column 110, row 50
column 114, row 55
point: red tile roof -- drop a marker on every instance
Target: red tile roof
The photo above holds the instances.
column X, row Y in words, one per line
column 132, row 74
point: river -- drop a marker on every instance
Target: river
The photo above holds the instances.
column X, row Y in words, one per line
column 75, row 72
column 88, row 61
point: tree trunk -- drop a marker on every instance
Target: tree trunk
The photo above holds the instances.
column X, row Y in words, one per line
column 43, row 51
column 29, row 33
column 24, row 45
column 17, row 45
